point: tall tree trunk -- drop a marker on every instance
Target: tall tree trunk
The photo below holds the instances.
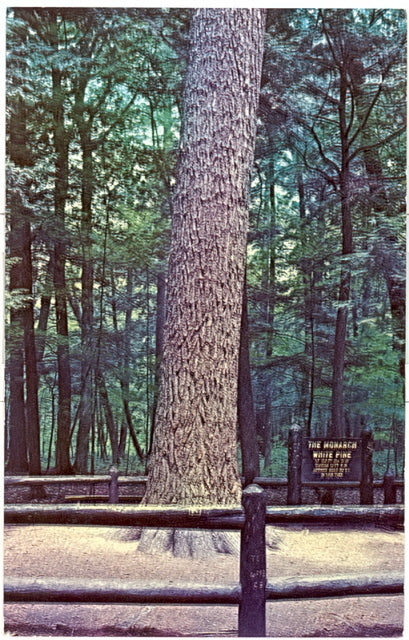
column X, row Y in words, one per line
column 109, row 416
column 270, row 313
column 160, row 322
column 193, row 459
column 269, row 289
column 123, row 355
column 308, row 379
column 126, row 374
column 337, row 427
column 44, row 314
column 17, row 449
column 87, row 304
column 31, row 375
column 61, row 144
column 246, row 414
column 24, row 437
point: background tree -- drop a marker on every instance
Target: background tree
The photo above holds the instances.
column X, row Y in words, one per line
column 24, row 415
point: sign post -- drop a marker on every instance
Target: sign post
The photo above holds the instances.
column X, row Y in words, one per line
column 295, row 439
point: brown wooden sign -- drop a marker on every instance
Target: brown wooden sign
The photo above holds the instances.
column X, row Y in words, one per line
column 331, row 459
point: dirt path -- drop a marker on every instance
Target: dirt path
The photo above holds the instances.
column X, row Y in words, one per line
column 103, row 552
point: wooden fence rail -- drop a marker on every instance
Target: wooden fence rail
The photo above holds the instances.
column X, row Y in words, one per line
column 340, row 586
column 124, row 516
column 389, row 483
column 251, row 519
column 73, row 590
column 116, row 592
column 218, row 518
column 389, row 515
column 30, row 481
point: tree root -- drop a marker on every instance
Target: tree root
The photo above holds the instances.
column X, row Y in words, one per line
column 196, row 543
column 189, row 543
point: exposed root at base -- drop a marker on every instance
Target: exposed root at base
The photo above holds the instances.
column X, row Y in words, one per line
column 189, row 543
column 197, row 543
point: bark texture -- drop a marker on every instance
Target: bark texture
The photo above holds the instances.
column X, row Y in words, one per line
column 193, row 460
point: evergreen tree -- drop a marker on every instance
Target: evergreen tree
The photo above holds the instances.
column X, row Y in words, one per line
column 193, row 459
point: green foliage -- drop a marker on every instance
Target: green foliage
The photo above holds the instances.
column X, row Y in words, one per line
column 279, row 461
column 294, row 259
column 121, row 79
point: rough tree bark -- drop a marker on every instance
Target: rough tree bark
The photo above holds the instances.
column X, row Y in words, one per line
column 193, row 460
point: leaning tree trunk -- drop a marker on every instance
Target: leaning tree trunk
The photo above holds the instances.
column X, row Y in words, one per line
column 193, row 460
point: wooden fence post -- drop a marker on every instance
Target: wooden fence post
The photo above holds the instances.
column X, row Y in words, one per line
column 252, row 608
column 113, row 486
column 389, row 489
column 366, row 488
column 294, row 465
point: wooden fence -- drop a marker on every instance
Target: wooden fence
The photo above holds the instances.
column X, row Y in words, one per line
column 253, row 590
column 114, row 481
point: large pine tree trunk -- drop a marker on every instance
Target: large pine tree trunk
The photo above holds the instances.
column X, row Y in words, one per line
column 193, row 460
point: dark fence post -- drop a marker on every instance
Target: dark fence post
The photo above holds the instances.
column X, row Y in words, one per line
column 294, row 465
column 113, row 486
column 366, row 488
column 389, row 488
column 252, row 608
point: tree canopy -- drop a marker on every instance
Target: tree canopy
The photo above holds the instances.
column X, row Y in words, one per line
column 94, row 112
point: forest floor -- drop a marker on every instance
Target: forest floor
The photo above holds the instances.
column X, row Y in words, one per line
column 104, row 552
